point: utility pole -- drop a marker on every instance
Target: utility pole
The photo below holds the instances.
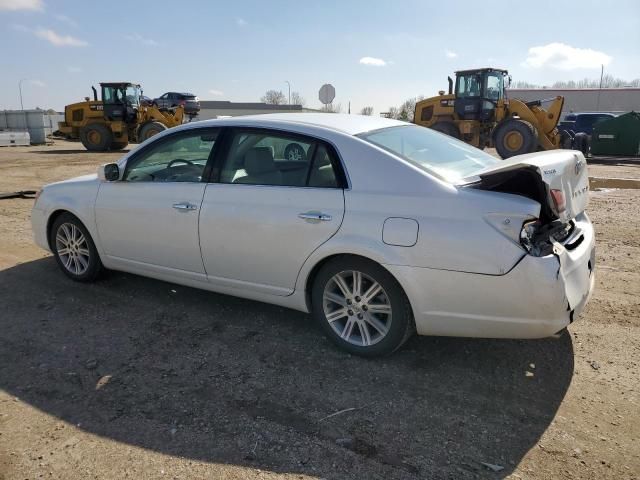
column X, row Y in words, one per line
column 20, row 88
column 289, row 85
column 600, row 89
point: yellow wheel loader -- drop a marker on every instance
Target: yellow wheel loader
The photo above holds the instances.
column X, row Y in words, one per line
column 479, row 112
column 117, row 119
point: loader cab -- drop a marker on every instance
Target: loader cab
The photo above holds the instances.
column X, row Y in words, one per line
column 478, row 92
column 121, row 101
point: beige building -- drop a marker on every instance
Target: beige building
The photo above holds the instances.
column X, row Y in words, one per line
column 215, row 109
column 585, row 99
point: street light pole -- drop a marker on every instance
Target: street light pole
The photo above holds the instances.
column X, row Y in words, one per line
column 20, row 88
column 289, row 85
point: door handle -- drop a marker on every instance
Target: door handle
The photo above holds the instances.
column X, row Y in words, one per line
column 317, row 216
column 184, row 206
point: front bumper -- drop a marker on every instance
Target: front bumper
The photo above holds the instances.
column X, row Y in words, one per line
column 39, row 228
column 537, row 298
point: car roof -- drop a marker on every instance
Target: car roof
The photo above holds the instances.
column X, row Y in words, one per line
column 345, row 123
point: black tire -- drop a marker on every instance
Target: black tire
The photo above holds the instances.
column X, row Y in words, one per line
column 118, row 145
column 94, row 267
column 581, row 143
column 150, row 129
column 96, row 137
column 399, row 324
column 515, row 137
column 448, row 128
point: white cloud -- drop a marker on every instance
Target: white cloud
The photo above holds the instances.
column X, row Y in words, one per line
column 37, row 83
column 241, row 22
column 150, row 42
column 372, row 61
column 450, row 54
column 565, row 57
column 14, row 5
column 216, row 93
column 74, row 69
column 64, row 19
column 59, row 40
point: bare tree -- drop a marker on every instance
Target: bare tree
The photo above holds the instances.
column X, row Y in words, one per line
column 297, row 99
column 366, row 111
column 608, row 81
column 332, row 108
column 392, row 112
column 408, row 108
column 274, row 97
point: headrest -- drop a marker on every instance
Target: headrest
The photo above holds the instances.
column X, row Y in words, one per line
column 322, row 159
column 259, row 160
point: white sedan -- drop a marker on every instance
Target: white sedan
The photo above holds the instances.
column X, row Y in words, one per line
column 377, row 227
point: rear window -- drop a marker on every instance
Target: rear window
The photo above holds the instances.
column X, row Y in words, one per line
column 439, row 154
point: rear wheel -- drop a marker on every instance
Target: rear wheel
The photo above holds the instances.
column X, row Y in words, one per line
column 150, row 129
column 448, row 128
column 96, row 137
column 361, row 307
column 515, row 137
column 581, row 142
column 74, row 249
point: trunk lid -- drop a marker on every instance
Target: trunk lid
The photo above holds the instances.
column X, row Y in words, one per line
column 563, row 175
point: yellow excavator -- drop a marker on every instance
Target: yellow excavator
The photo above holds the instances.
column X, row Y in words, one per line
column 117, row 119
column 479, row 112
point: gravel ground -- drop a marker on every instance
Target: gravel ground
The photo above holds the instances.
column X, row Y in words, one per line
column 136, row 378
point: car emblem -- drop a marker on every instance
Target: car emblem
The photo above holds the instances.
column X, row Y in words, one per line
column 579, row 165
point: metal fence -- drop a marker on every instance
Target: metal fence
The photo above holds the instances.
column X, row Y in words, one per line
column 38, row 123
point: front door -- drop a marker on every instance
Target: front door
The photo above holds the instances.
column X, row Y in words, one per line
column 149, row 218
column 279, row 197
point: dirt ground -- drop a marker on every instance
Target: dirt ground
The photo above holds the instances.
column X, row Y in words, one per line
column 135, row 378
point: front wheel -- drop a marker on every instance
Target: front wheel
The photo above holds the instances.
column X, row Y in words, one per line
column 74, row 249
column 515, row 137
column 361, row 307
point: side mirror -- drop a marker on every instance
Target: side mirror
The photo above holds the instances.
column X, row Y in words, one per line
column 109, row 172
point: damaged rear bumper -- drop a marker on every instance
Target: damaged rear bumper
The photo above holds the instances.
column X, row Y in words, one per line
column 537, row 298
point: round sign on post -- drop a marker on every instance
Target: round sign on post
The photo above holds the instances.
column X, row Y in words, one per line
column 327, row 93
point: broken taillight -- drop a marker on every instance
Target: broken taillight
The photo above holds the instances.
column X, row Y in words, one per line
column 558, row 200
column 527, row 233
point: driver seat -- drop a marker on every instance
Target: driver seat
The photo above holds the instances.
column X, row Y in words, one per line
column 260, row 167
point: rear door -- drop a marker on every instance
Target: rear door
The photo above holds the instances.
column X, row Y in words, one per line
column 149, row 219
column 277, row 198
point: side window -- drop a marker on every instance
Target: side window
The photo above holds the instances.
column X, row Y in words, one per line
column 178, row 158
column 164, row 97
column 264, row 158
column 322, row 171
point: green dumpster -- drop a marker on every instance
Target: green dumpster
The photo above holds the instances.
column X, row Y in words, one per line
column 617, row 136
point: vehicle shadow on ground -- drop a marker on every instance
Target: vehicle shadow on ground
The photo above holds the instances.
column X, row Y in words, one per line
column 71, row 152
column 613, row 161
column 220, row 379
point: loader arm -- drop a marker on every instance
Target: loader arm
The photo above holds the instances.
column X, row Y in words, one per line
column 169, row 118
column 544, row 120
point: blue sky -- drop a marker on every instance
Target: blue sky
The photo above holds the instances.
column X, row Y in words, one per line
column 376, row 53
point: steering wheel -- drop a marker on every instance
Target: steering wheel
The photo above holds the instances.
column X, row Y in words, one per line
column 179, row 160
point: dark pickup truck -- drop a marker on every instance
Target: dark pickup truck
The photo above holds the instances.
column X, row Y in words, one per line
column 582, row 122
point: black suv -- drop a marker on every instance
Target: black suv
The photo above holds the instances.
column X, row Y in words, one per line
column 189, row 101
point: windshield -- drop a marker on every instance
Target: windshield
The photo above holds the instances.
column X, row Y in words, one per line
column 133, row 95
column 448, row 158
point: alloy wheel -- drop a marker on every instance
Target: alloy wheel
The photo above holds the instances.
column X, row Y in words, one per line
column 357, row 308
column 72, row 249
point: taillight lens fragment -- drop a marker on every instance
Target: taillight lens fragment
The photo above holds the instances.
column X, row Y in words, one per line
column 559, row 201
